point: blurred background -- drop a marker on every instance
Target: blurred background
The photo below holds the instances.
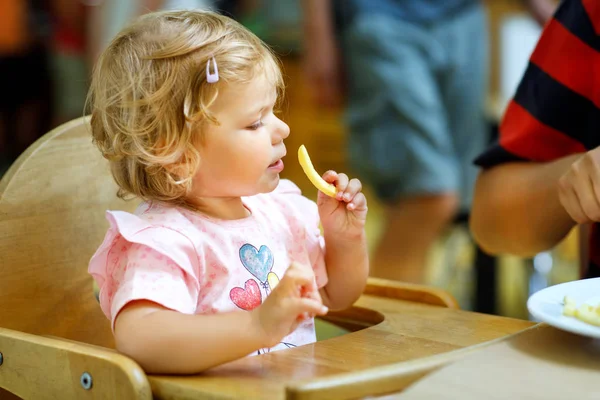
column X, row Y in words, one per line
column 329, row 55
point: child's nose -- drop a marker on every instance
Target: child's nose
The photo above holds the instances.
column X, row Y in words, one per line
column 282, row 131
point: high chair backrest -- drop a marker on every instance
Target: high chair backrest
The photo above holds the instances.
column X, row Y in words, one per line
column 52, row 204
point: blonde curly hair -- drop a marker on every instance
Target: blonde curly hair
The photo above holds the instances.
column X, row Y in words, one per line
column 149, row 98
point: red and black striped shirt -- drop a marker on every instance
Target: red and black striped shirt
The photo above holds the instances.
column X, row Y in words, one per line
column 556, row 109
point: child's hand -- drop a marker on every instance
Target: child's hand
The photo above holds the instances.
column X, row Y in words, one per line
column 293, row 300
column 347, row 212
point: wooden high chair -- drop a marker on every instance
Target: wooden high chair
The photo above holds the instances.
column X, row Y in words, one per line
column 54, row 340
column 55, row 343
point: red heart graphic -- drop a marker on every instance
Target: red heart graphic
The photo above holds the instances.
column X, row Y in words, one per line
column 248, row 298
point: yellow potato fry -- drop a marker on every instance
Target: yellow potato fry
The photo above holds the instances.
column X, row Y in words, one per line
column 570, row 308
column 312, row 175
column 585, row 312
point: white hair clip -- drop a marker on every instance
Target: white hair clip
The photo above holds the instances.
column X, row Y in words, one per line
column 214, row 77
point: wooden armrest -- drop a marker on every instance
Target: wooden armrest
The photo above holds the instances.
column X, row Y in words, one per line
column 38, row 367
column 410, row 292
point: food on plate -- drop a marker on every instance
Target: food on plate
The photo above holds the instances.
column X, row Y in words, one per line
column 586, row 312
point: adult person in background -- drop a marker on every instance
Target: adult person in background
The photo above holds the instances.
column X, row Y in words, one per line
column 541, row 10
column 413, row 77
column 542, row 178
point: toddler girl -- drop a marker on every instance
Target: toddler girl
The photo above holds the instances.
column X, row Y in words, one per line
column 222, row 258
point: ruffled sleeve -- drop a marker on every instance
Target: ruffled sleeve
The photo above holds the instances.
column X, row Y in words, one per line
column 142, row 261
column 306, row 214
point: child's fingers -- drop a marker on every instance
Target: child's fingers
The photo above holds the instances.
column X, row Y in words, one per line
column 354, row 187
column 300, row 275
column 341, row 185
column 330, row 176
column 309, row 306
column 358, row 203
column 304, row 317
column 312, row 293
column 339, row 180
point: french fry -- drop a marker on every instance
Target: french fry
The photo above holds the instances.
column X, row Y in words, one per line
column 589, row 314
column 585, row 312
column 312, row 175
column 570, row 308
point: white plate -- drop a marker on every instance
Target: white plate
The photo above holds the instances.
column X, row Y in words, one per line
column 547, row 305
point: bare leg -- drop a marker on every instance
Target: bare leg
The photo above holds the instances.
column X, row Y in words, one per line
column 412, row 227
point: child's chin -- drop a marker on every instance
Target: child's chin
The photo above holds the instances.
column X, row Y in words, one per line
column 270, row 185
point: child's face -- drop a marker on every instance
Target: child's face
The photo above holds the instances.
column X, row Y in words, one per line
column 242, row 156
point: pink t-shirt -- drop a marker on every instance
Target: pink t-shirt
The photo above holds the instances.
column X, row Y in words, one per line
column 193, row 264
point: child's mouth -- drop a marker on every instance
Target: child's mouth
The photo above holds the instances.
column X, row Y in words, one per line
column 277, row 165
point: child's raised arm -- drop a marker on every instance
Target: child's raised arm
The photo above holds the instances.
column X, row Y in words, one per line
column 169, row 342
column 346, row 253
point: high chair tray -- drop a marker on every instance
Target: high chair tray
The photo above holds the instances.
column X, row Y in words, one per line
column 379, row 359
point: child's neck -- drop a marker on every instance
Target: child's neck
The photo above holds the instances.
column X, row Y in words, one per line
column 227, row 208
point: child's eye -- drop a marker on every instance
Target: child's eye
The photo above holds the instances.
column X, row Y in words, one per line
column 255, row 126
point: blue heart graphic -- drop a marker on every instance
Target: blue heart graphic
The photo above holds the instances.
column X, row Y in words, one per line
column 258, row 262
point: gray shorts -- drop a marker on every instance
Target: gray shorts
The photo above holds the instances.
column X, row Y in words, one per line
column 415, row 108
